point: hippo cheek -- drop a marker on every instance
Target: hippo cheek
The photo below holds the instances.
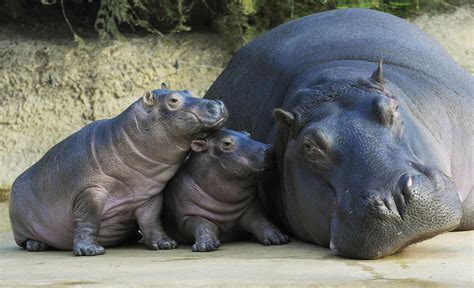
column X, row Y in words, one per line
column 307, row 199
column 375, row 224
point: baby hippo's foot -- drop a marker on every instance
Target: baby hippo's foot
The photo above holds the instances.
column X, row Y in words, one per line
column 273, row 236
column 162, row 243
column 36, row 246
column 206, row 243
column 86, row 248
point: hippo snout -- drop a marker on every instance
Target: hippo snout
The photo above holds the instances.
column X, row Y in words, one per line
column 216, row 108
column 212, row 113
column 379, row 222
column 390, row 203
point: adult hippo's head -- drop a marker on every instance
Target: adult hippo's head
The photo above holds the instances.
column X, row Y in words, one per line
column 360, row 173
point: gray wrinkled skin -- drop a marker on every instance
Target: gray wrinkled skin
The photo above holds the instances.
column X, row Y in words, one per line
column 369, row 160
column 213, row 197
column 97, row 187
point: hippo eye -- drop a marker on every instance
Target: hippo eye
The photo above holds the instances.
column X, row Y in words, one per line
column 227, row 144
column 174, row 101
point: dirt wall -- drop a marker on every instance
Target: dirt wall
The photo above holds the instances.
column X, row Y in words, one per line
column 51, row 88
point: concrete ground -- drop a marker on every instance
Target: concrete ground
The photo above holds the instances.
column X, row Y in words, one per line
column 445, row 261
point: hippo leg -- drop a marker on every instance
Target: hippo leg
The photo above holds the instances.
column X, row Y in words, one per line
column 36, row 246
column 467, row 220
column 255, row 222
column 205, row 232
column 88, row 209
column 148, row 217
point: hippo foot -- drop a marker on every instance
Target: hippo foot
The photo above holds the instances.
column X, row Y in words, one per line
column 274, row 237
column 163, row 244
column 87, row 249
column 36, row 246
column 206, row 245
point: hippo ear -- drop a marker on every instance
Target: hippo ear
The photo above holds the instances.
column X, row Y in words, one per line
column 284, row 117
column 377, row 76
column 386, row 109
column 148, row 98
column 199, row 146
column 164, row 85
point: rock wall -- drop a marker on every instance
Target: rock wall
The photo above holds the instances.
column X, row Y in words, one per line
column 49, row 89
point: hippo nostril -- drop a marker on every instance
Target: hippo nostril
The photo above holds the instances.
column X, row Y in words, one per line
column 213, row 109
column 378, row 201
column 385, row 204
column 220, row 103
column 409, row 183
column 406, row 186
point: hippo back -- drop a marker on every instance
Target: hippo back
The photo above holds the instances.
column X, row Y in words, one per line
column 258, row 77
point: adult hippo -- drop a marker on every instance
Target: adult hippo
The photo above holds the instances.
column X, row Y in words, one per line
column 370, row 158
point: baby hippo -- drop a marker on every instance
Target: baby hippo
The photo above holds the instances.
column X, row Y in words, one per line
column 97, row 187
column 214, row 195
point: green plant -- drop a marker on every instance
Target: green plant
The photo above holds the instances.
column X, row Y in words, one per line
column 242, row 20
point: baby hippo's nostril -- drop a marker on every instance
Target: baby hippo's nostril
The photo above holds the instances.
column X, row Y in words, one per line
column 220, row 103
column 213, row 108
column 220, row 107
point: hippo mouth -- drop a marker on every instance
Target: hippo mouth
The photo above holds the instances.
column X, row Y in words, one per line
column 386, row 223
column 216, row 124
column 261, row 169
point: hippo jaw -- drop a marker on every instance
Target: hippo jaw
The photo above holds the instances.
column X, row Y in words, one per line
column 375, row 224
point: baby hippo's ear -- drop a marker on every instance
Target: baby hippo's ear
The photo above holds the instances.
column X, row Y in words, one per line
column 199, row 146
column 148, row 98
column 164, row 85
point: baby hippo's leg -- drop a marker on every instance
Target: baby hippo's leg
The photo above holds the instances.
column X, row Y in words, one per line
column 148, row 217
column 205, row 232
column 36, row 246
column 87, row 210
column 255, row 222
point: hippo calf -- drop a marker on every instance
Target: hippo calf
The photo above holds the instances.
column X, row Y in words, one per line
column 370, row 158
column 100, row 185
column 213, row 197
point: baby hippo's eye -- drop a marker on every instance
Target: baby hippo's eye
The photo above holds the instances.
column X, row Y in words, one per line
column 227, row 144
column 174, row 101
